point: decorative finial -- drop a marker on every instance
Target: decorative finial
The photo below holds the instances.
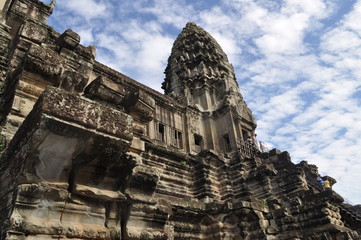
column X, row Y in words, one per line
column 52, row 5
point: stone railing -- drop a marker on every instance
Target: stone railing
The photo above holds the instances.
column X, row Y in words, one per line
column 246, row 148
column 197, row 148
column 176, row 143
column 160, row 137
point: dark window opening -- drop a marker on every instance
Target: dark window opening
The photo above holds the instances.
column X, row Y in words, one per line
column 161, row 132
column 227, row 143
column 198, row 141
column 245, row 135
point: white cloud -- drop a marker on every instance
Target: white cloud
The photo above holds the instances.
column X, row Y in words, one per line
column 350, row 21
column 86, row 36
column 324, row 129
column 87, row 9
column 215, row 18
column 283, row 34
column 155, row 51
column 176, row 13
column 340, row 40
column 315, row 8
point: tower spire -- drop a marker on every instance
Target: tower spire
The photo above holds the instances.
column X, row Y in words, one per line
column 198, row 63
column 199, row 75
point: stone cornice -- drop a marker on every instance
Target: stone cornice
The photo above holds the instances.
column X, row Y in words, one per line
column 130, row 83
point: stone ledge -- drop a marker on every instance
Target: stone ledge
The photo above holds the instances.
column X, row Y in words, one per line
column 90, row 114
column 94, row 192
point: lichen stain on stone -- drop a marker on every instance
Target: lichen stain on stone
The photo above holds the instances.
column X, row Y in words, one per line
column 55, row 157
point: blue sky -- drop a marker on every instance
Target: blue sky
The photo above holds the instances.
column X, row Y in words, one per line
column 298, row 64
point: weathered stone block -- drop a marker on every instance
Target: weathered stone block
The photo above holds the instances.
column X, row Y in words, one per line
column 34, row 32
column 105, row 89
column 97, row 193
column 274, row 152
column 68, row 39
column 74, row 108
column 45, row 62
column 143, row 182
column 141, row 104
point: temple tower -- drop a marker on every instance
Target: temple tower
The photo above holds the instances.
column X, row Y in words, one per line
column 199, row 75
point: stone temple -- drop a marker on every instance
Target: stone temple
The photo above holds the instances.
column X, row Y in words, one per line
column 89, row 153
